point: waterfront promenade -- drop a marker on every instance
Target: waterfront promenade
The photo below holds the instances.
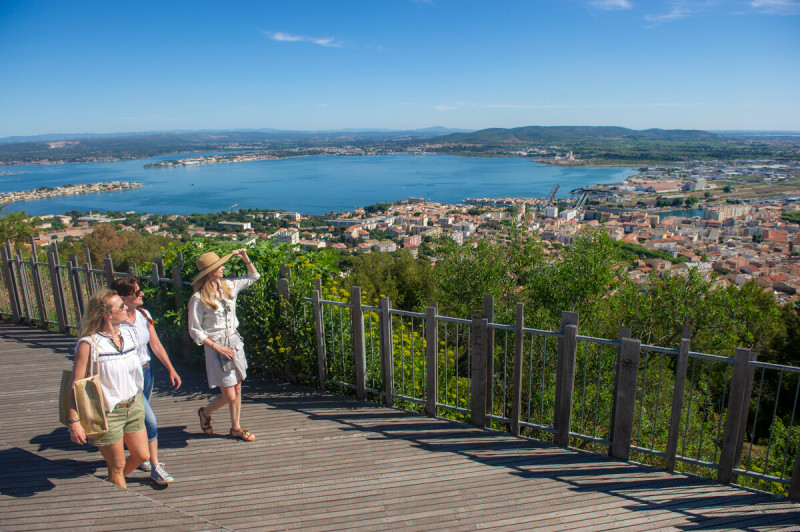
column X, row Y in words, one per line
column 327, row 462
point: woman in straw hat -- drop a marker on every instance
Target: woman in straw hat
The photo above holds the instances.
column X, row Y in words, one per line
column 212, row 324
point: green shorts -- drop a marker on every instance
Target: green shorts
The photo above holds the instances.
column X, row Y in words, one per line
column 123, row 420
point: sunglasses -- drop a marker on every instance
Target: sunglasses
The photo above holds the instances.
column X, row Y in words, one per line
column 136, row 294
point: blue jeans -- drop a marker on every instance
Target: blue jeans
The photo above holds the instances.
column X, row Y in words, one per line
column 150, row 422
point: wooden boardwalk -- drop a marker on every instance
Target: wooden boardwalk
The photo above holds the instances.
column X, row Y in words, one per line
column 326, row 462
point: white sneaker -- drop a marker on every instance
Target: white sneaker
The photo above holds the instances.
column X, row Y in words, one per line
column 145, row 466
column 160, row 475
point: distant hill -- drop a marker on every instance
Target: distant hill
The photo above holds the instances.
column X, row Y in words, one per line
column 555, row 134
column 236, row 134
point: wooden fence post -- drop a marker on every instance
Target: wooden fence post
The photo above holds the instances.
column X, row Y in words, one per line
column 108, row 266
column 37, row 287
column 565, row 378
column 479, row 373
column 677, row 401
column 25, row 297
column 431, row 360
column 488, row 313
column 794, row 486
column 387, row 350
column 319, row 332
column 76, row 280
column 159, row 262
column 733, row 417
column 358, row 342
column 624, row 332
column 748, row 393
column 626, row 398
column 516, row 399
column 177, row 287
column 10, row 284
column 58, row 295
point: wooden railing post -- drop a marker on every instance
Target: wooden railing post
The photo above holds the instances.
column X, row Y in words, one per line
column 626, row 398
column 488, row 313
column 748, row 393
column 10, row 284
column 319, row 333
column 733, row 417
column 677, row 401
column 177, row 288
column 624, row 332
column 479, row 374
column 37, row 287
column 431, row 360
column 156, row 278
column 108, row 266
column 159, row 262
column 76, row 280
column 565, row 377
column 794, row 486
column 358, row 341
column 387, row 351
column 58, row 295
column 25, row 298
column 516, row 399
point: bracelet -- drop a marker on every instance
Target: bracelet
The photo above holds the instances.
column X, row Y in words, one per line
column 73, row 420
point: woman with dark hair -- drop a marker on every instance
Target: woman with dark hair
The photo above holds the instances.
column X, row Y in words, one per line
column 212, row 324
column 140, row 321
column 113, row 349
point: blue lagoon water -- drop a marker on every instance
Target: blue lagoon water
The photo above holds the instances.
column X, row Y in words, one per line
column 312, row 185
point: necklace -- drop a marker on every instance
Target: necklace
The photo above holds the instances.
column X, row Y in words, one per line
column 114, row 339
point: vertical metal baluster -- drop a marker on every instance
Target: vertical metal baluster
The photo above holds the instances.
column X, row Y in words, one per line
column 755, row 419
column 597, row 389
column 705, row 413
column 505, row 373
column 403, row 353
column 641, row 402
column 772, row 426
column 541, row 401
column 530, row 378
column 791, row 426
column 719, row 410
column 371, row 371
column 583, row 391
column 458, row 380
column 333, row 340
column 446, row 362
column 688, row 409
column 658, row 400
column 341, row 333
column 413, row 361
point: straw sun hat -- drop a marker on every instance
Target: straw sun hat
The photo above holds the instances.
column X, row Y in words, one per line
column 207, row 263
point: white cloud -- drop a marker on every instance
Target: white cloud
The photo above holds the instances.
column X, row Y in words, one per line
column 280, row 36
column 611, row 4
column 777, row 7
column 678, row 10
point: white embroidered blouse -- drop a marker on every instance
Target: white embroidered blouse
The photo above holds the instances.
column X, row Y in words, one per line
column 119, row 369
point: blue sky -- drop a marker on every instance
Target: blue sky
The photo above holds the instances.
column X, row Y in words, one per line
column 80, row 67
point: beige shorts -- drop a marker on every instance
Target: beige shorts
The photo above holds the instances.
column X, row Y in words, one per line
column 123, row 420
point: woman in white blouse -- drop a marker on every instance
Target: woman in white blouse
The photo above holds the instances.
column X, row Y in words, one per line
column 213, row 324
column 120, row 371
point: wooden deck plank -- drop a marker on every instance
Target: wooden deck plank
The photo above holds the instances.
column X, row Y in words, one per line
column 327, row 462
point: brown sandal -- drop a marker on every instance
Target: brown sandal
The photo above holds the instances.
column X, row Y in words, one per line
column 205, row 422
column 242, row 434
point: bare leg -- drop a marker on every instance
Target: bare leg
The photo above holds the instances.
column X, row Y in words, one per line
column 236, row 406
column 137, row 445
column 115, row 461
column 153, row 446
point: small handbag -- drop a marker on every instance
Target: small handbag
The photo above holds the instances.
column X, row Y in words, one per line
column 89, row 399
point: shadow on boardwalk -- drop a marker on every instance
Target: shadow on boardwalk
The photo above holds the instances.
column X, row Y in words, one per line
column 327, row 462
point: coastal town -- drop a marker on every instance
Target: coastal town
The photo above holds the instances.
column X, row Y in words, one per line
column 691, row 213
column 67, row 190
